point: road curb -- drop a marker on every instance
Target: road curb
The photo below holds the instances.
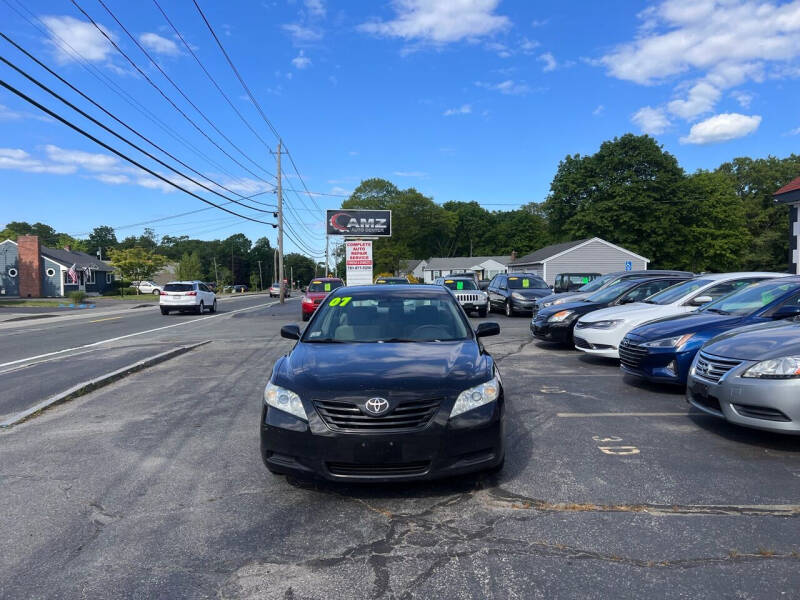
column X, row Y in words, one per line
column 96, row 383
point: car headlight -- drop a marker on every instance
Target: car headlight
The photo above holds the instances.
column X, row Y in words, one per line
column 676, row 342
column 517, row 296
column 608, row 324
column 786, row 367
column 559, row 301
column 285, row 400
column 560, row 316
column 476, row 396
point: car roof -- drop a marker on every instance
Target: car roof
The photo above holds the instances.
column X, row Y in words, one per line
column 416, row 290
column 171, row 282
column 522, row 275
column 326, row 279
column 457, row 277
column 737, row 275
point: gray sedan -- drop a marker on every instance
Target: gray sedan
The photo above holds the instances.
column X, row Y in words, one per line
column 751, row 377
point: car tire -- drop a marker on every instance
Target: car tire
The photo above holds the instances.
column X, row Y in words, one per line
column 482, row 312
column 156, row 292
column 213, row 308
column 164, row 311
column 509, row 310
column 200, row 307
column 306, row 317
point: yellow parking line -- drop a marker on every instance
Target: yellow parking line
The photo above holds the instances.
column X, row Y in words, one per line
column 106, row 319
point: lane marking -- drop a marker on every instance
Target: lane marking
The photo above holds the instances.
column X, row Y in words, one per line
column 620, row 414
column 122, row 337
column 106, row 319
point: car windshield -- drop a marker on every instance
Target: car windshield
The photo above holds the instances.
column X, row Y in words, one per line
column 380, row 318
column 612, row 292
column 524, row 283
column 598, row 283
column 179, row 287
column 322, row 286
column 678, row 291
column 460, row 284
column 750, row 299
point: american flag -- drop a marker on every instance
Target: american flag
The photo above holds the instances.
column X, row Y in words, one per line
column 73, row 274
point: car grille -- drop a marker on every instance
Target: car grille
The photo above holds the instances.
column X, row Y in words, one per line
column 713, row 368
column 630, row 354
column 760, row 412
column 409, row 414
column 468, row 297
column 385, row 470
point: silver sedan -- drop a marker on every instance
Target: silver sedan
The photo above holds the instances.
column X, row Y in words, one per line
column 751, row 377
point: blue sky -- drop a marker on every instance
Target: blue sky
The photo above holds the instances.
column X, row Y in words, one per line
column 462, row 99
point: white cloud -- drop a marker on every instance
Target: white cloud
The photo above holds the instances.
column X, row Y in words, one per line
column 6, row 114
column 550, row 63
column 352, row 153
column 340, row 190
column 794, row 131
column 301, row 61
column 539, row 22
column 15, row 159
column 743, row 98
column 316, row 8
column 464, row 109
column 301, row 33
column 528, row 46
column 651, row 120
column 508, row 87
column 409, row 174
column 440, row 21
column 87, row 160
column 721, row 128
column 159, row 44
column 599, row 110
column 68, row 34
column 113, row 179
column 717, row 44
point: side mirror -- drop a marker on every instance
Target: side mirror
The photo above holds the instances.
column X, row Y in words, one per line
column 487, row 329
column 627, row 300
column 292, row 332
column 700, row 300
column 786, row 312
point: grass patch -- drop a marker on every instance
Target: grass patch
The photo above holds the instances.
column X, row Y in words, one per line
column 12, row 303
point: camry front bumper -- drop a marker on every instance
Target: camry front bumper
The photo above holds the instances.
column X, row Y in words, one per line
column 445, row 447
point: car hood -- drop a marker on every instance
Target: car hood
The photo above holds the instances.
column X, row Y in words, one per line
column 758, row 342
column 635, row 311
column 390, row 369
column 550, row 297
column 316, row 295
column 686, row 323
column 532, row 292
column 578, row 306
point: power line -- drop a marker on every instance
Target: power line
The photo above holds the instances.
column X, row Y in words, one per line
column 163, row 94
column 122, row 155
column 115, row 134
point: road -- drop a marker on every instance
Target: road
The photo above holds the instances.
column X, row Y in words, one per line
column 154, row 487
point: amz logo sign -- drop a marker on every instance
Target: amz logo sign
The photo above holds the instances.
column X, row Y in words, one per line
column 371, row 223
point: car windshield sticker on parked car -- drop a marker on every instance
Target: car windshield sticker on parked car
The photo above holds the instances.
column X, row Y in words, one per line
column 460, row 285
column 327, row 287
column 341, row 301
column 585, row 280
column 513, row 278
column 449, row 281
column 526, row 283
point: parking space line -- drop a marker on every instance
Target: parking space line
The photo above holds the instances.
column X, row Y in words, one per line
column 122, row 337
column 624, row 414
column 106, row 319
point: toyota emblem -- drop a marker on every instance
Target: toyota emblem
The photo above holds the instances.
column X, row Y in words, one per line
column 376, row 406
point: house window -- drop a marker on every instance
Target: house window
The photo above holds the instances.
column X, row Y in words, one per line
column 50, row 272
column 89, row 277
column 12, row 272
column 109, row 277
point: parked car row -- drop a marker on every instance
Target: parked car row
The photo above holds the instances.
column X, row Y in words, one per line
column 733, row 339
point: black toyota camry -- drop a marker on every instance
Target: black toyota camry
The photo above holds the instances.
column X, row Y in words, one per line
column 386, row 383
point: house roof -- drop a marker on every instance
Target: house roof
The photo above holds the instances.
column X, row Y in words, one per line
column 73, row 257
column 543, row 254
column 410, row 265
column 462, row 262
column 789, row 193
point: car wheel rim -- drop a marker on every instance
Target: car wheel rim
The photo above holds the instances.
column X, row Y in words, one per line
column 508, row 309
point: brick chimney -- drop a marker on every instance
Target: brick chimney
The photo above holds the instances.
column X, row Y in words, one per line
column 30, row 266
column 67, row 248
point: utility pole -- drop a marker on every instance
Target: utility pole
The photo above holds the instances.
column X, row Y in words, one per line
column 216, row 277
column 326, row 255
column 280, row 226
column 291, row 277
column 275, row 265
column 260, row 279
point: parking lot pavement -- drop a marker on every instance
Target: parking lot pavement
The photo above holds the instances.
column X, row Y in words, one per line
column 154, row 487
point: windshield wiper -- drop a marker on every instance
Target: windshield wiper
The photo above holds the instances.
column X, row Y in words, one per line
column 718, row 311
column 396, row 340
column 327, row 340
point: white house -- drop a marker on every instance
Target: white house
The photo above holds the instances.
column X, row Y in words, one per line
column 485, row 267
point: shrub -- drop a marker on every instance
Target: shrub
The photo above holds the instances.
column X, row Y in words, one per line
column 77, row 296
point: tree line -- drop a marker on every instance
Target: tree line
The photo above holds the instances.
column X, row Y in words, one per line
column 630, row 192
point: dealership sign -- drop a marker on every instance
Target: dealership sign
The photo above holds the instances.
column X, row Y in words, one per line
column 359, row 262
column 360, row 223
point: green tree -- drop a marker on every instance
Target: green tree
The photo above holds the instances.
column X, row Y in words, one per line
column 298, row 266
column 234, row 253
column 262, row 251
column 755, row 181
column 190, row 268
column 137, row 264
column 624, row 193
column 63, row 240
column 102, row 237
column 14, row 229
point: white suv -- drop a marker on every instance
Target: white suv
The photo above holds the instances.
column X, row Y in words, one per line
column 187, row 296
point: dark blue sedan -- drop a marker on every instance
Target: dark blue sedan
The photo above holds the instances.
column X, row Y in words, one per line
column 663, row 350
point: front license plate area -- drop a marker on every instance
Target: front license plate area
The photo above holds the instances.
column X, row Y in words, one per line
column 377, row 452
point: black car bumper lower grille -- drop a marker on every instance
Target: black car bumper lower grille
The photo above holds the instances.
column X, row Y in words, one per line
column 343, row 415
column 384, row 470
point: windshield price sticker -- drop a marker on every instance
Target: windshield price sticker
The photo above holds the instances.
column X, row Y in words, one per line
column 513, row 278
column 526, row 283
column 327, row 287
column 449, row 281
column 585, row 280
column 316, row 282
column 460, row 285
column 340, row 301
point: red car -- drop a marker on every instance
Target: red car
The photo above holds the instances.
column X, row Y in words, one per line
column 316, row 292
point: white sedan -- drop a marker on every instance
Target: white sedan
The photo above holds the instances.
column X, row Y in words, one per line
column 185, row 296
column 600, row 332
